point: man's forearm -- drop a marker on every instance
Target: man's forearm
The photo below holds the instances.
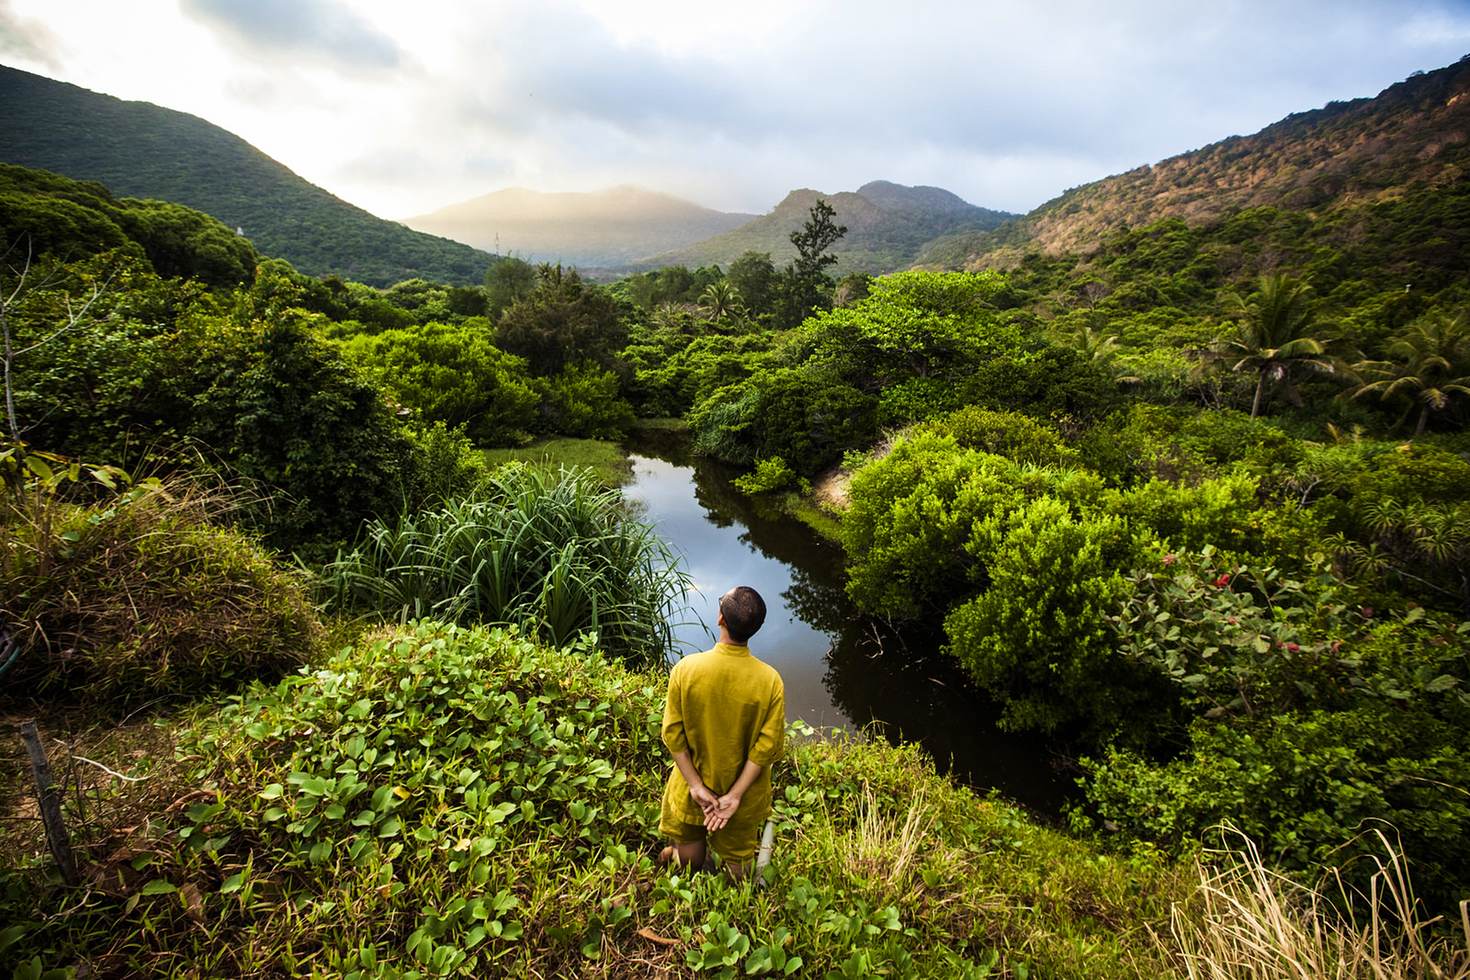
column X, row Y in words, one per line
column 748, row 775
column 700, row 793
column 685, row 762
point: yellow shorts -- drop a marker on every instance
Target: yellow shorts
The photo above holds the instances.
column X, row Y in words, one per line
column 734, row 842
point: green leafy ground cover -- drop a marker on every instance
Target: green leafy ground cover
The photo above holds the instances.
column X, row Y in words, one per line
column 435, row 800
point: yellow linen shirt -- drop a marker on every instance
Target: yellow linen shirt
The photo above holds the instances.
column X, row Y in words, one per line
column 724, row 707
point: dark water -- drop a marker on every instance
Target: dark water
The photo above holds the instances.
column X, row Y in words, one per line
column 841, row 670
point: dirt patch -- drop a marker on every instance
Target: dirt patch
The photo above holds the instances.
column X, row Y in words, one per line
column 829, row 489
column 111, row 773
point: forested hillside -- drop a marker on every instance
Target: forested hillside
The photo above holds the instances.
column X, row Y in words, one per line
column 608, row 229
column 1413, row 137
column 144, row 150
column 887, row 224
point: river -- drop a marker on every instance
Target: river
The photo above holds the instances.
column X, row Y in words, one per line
column 842, row 670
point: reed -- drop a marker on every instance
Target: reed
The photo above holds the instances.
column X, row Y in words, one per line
column 553, row 553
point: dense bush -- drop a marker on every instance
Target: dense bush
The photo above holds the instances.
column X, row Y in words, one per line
column 454, row 375
column 805, row 416
column 918, row 346
column 1038, row 634
column 562, row 321
column 552, row 553
column 1009, row 434
column 1314, row 716
column 141, row 595
column 671, row 373
column 161, row 378
column 1310, row 787
column 583, row 400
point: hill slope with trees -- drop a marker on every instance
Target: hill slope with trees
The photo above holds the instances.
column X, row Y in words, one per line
column 1412, row 137
column 143, row 150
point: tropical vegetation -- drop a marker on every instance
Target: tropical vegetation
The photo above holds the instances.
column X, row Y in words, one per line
column 1191, row 506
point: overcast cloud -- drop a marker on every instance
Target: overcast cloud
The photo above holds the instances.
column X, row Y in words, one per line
column 405, row 107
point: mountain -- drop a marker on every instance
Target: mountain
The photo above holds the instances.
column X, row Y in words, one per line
column 600, row 229
column 1413, row 137
column 887, row 225
column 142, row 150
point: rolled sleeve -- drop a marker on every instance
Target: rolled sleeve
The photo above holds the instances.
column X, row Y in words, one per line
column 673, row 727
column 771, row 741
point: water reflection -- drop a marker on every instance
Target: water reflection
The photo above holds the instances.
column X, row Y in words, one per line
column 841, row 669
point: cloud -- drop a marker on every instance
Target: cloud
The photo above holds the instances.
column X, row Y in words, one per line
column 27, row 39
column 999, row 101
column 405, row 107
column 320, row 29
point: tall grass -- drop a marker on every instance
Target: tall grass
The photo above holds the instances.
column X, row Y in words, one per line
column 1246, row 921
column 554, row 553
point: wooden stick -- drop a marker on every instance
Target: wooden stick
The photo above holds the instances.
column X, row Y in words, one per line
column 46, row 793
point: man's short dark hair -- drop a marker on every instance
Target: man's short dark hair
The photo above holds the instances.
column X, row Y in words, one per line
column 744, row 611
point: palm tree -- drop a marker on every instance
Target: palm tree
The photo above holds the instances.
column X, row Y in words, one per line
column 1271, row 336
column 1428, row 364
column 1102, row 350
column 721, row 300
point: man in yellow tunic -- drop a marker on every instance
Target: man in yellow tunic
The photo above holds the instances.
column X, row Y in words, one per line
column 725, row 723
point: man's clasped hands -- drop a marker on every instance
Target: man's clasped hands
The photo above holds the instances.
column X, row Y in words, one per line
column 717, row 809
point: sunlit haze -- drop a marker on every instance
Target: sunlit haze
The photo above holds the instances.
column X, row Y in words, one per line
column 402, row 108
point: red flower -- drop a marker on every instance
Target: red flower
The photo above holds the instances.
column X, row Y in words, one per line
column 1170, row 559
column 1292, row 647
column 1222, row 581
column 1367, row 612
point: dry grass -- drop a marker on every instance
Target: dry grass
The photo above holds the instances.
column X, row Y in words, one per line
column 1248, row 921
column 882, row 848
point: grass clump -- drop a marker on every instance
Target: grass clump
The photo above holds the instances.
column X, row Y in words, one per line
column 464, row 802
column 553, row 553
column 1247, row 920
column 606, row 460
column 143, row 595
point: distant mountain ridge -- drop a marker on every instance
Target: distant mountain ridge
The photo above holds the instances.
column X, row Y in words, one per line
column 1414, row 136
column 611, row 228
column 887, row 226
column 142, row 150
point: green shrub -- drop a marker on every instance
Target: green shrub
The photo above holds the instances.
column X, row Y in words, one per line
column 447, row 463
column 1010, row 434
column 140, row 595
column 912, row 515
column 1308, row 787
column 454, row 375
column 584, row 401
column 770, row 474
column 802, row 415
column 170, row 381
column 1039, row 634
column 553, row 553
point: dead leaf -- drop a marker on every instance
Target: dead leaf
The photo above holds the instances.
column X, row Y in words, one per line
column 193, row 902
column 654, row 937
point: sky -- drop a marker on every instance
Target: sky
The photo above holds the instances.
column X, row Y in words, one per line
column 403, row 106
